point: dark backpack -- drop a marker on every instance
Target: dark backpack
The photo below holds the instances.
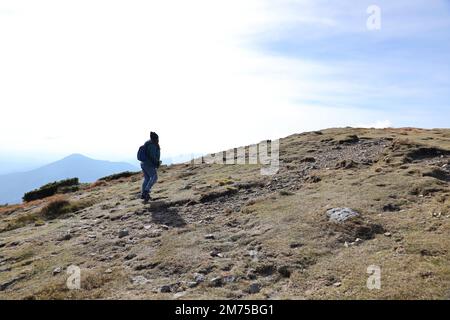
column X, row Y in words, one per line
column 142, row 153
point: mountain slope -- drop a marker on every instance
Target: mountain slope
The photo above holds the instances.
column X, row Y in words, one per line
column 225, row 231
column 13, row 186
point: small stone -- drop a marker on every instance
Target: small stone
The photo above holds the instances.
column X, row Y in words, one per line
column 216, row 282
column 198, row 277
column 210, row 237
column 65, row 237
column 57, row 271
column 388, row 234
column 253, row 254
column 251, row 274
column 123, row 233
column 215, row 253
column 229, row 279
column 192, row 284
column 130, row 256
column 147, row 227
column 165, row 289
column 337, row 284
column 254, row 288
column 108, row 270
column 294, row 245
column 179, row 295
column 139, row 280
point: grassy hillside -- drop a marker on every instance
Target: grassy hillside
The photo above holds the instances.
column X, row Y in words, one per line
column 225, row 231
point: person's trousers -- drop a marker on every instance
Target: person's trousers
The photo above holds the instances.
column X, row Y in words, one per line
column 150, row 177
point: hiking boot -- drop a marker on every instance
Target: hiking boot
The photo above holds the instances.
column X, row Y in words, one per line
column 146, row 197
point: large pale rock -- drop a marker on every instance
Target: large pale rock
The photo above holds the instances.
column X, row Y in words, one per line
column 341, row 214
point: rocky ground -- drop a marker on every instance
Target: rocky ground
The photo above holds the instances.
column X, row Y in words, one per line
column 226, row 231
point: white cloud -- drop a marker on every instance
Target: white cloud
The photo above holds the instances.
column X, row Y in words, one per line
column 380, row 124
column 100, row 74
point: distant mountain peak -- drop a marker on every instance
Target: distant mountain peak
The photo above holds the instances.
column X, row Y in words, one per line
column 13, row 186
column 76, row 156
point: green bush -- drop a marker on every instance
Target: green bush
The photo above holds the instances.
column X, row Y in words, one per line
column 50, row 189
column 116, row 176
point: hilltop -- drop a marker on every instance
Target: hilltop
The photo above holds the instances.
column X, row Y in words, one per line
column 226, row 231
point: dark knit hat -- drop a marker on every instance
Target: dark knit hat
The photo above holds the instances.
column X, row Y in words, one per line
column 154, row 136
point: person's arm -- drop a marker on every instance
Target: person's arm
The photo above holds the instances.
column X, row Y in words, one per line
column 158, row 156
column 154, row 154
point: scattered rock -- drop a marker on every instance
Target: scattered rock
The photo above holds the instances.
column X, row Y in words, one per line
column 198, row 277
column 56, row 271
column 388, row 234
column 215, row 253
column 65, row 237
column 165, row 289
column 254, row 288
column 229, row 279
column 251, row 274
column 253, row 254
column 192, row 284
column 210, row 237
column 139, row 280
column 130, row 256
column 341, row 214
column 294, row 245
column 216, row 282
column 108, row 271
column 123, row 233
column 337, row 284
column 179, row 295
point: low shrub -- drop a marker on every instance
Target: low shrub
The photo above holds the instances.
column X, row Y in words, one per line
column 50, row 189
column 117, row 176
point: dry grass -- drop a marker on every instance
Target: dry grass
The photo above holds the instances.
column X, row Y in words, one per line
column 264, row 229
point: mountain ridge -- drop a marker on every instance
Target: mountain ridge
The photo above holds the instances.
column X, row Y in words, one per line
column 14, row 185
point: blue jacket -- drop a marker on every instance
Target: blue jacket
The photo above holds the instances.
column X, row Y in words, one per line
column 153, row 154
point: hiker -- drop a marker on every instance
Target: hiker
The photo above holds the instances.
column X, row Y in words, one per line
column 149, row 155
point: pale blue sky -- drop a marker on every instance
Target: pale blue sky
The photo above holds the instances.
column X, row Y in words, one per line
column 95, row 76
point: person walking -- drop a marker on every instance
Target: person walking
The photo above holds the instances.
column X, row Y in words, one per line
column 149, row 155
